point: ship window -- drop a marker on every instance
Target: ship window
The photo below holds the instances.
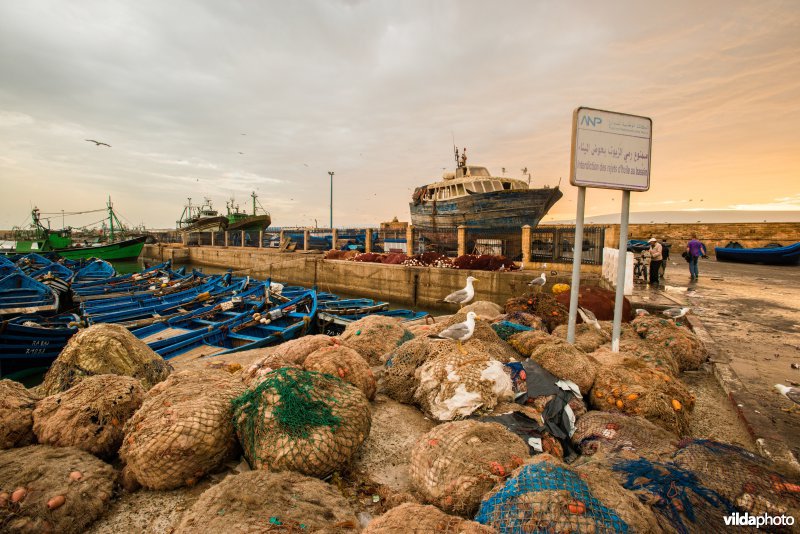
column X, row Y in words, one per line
column 460, row 189
column 479, row 171
column 506, row 185
column 487, row 186
column 497, row 185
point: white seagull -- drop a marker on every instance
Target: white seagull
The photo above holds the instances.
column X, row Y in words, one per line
column 640, row 312
column 538, row 282
column 458, row 332
column 791, row 393
column 589, row 318
column 675, row 313
column 462, row 296
column 98, row 143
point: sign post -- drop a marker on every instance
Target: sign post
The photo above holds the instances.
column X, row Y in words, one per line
column 610, row 151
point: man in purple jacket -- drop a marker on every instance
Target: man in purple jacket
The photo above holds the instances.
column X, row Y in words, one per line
column 695, row 249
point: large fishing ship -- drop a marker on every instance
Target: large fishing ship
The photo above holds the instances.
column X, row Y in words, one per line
column 473, row 197
column 203, row 218
column 258, row 221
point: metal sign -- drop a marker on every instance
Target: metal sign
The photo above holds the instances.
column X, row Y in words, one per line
column 610, row 150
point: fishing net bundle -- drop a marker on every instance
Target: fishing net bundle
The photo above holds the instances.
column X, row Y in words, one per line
column 599, row 301
column 183, row 430
column 429, row 259
column 263, row 501
column 546, row 496
column 566, row 362
column 91, row 415
column 675, row 495
column 400, row 379
column 543, row 305
column 635, row 389
column 16, row 414
column 747, row 481
column 104, row 349
column 539, row 403
column 456, row 463
column 656, row 356
column 608, row 436
column 345, row 363
column 289, row 354
column 532, row 426
column 687, row 350
column 423, row 519
column 457, row 385
column 484, row 309
column 525, row 343
column 374, row 336
column 52, row 489
column 587, row 337
column 301, row 421
column 524, row 319
column 484, row 262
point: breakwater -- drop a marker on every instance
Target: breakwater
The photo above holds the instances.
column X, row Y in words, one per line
column 409, row 286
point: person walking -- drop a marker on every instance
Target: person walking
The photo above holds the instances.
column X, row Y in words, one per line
column 695, row 249
column 655, row 260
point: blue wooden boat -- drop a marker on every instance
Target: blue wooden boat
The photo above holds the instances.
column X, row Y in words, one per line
column 20, row 294
column 33, row 341
column 789, row 255
column 249, row 330
column 56, row 276
column 161, row 284
column 32, row 262
column 7, row 267
column 96, row 270
column 150, row 272
column 141, row 313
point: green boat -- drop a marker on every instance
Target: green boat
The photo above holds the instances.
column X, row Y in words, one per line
column 38, row 238
column 257, row 221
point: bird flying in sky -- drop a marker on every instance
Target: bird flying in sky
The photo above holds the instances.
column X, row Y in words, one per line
column 98, row 143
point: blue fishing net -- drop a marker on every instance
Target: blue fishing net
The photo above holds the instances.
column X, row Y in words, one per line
column 674, row 493
column 506, row 329
column 544, row 498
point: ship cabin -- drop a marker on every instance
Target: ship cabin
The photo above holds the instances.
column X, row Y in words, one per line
column 469, row 180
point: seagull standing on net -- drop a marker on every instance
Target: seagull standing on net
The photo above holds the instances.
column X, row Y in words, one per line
column 462, row 296
column 538, row 282
column 589, row 318
column 641, row 312
column 791, row 393
column 675, row 313
column 98, row 143
column 458, row 332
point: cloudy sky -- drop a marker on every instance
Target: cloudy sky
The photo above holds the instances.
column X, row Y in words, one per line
column 208, row 98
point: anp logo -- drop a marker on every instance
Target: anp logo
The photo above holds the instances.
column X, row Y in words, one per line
column 591, row 121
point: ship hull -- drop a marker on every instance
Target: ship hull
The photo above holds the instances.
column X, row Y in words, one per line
column 499, row 210
column 207, row 224
column 255, row 223
column 119, row 250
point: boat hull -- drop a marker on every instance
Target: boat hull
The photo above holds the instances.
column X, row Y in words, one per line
column 207, row 224
column 789, row 255
column 255, row 223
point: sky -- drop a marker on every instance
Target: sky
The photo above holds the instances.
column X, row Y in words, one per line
column 218, row 99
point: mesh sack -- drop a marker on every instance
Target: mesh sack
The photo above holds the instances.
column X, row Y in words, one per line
column 599, row 301
column 263, row 501
column 688, row 351
column 302, row 421
column 524, row 318
column 635, row 389
column 543, row 305
column 296, row 350
column 655, row 356
column 374, row 336
column 345, row 363
column 16, row 414
column 609, row 436
column 566, row 362
column 484, row 309
column 454, row 464
column 422, row 519
column 400, row 375
column 77, row 486
column 546, row 496
column 458, row 385
column 104, row 349
column 506, row 329
column 183, row 430
column 90, row 415
column 675, row 495
column 747, row 481
column 526, row 342
column 587, row 337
